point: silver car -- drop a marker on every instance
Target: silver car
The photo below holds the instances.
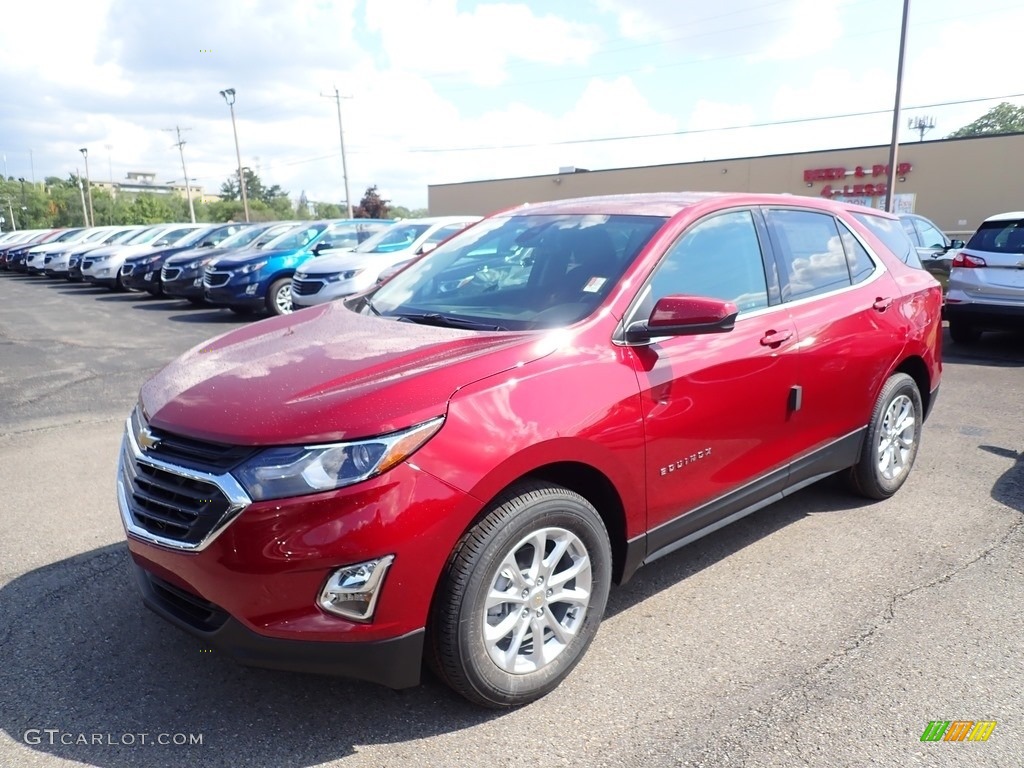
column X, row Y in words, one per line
column 986, row 281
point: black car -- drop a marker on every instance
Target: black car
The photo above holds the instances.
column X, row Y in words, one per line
column 142, row 273
column 182, row 274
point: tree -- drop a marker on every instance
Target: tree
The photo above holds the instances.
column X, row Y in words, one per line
column 1003, row 118
column 401, row 212
column 372, row 206
column 254, row 189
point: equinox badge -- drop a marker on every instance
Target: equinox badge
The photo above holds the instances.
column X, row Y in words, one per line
column 702, row 454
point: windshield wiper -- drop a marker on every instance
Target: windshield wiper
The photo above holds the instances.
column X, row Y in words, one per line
column 446, row 321
column 369, row 305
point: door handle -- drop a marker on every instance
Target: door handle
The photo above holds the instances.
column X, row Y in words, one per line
column 774, row 338
column 882, row 304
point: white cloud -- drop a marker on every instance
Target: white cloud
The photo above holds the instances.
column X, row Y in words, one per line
column 433, row 37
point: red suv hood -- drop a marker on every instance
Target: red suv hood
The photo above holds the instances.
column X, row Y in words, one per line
column 324, row 374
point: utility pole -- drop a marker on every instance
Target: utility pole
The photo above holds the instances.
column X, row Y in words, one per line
column 188, row 189
column 341, row 137
column 894, row 145
column 113, row 191
column 14, row 224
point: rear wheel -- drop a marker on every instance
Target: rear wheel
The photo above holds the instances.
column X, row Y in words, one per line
column 279, row 297
column 892, row 440
column 522, row 597
column 963, row 333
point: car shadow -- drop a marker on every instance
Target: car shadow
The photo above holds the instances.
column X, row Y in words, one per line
column 1009, row 488
column 207, row 314
column 86, row 658
column 828, row 495
column 996, row 348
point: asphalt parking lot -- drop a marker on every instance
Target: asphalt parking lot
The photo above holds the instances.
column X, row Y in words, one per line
column 821, row 631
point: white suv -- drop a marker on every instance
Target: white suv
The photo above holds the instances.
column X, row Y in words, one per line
column 986, row 281
column 335, row 274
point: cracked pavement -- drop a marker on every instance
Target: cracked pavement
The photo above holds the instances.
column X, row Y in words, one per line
column 820, row 631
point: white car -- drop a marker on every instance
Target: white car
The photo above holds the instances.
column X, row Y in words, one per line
column 55, row 263
column 333, row 274
column 103, row 265
column 986, row 281
column 34, row 258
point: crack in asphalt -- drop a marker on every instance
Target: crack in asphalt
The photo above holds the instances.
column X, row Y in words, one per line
column 61, row 425
column 813, row 677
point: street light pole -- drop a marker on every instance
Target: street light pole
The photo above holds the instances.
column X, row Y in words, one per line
column 229, row 97
column 88, row 187
column 894, row 145
column 81, row 193
column 341, row 137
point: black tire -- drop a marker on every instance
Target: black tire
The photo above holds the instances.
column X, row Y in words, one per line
column 118, row 283
column 276, row 303
column 899, row 403
column 241, row 310
column 458, row 651
column 963, row 333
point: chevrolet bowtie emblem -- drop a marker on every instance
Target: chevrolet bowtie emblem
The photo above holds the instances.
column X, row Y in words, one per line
column 147, row 440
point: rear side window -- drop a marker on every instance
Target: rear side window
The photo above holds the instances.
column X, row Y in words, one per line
column 861, row 265
column 1005, row 236
column 930, row 236
column 811, row 252
column 891, row 232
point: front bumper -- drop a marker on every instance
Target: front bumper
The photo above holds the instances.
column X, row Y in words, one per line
column 187, row 285
column 394, row 662
column 138, row 281
column 252, row 587
column 235, row 296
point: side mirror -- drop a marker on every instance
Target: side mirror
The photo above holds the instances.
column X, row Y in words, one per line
column 321, row 246
column 957, row 244
column 161, row 241
column 426, row 248
column 207, row 244
column 684, row 316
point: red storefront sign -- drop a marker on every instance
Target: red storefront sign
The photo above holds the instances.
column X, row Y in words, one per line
column 859, row 172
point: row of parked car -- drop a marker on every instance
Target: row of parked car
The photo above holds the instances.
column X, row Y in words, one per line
column 248, row 268
column 276, row 267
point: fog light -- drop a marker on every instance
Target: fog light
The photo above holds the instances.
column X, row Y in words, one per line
column 251, row 289
column 352, row 591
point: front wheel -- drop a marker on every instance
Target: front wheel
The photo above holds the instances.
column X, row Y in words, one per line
column 892, row 440
column 522, row 597
column 279, row 297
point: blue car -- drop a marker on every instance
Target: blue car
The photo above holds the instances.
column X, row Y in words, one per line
column 260, row 279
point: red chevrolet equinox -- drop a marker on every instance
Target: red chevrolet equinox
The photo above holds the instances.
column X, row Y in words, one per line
column 455, row 466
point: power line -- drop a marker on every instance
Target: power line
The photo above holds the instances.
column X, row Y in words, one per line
column 704, row 130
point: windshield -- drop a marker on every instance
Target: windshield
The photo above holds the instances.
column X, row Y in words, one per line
column 144, row 236
column 98, row 235
column 518, row 272
column 296, row 237
column 241, row 238
column 268, row 236
column 397, row 237
column 64, row 236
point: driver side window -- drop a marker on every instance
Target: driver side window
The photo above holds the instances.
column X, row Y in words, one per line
column 720, row 258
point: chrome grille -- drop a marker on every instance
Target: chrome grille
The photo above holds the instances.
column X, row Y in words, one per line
column 169, row 273
column 171, row 506
column 127, row 269
column 215, row 279
column 306, row 287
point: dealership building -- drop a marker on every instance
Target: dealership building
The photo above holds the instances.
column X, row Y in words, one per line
column 956, row 183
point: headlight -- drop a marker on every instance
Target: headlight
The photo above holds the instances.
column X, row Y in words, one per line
column 248, row 269
column 339, row 276
column 277, row 473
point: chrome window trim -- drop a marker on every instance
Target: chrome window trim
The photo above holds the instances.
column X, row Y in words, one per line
column 226, row 483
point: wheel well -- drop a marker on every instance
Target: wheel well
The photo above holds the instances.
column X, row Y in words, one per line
column 596, row 488
column 918, row 371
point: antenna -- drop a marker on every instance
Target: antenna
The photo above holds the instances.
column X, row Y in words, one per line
column 922, row 125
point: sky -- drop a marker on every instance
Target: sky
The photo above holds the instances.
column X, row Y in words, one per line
column 442, row 91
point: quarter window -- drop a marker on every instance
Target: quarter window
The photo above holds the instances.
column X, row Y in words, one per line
column 861, row 265
column 811, row 252
column 720, row 258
